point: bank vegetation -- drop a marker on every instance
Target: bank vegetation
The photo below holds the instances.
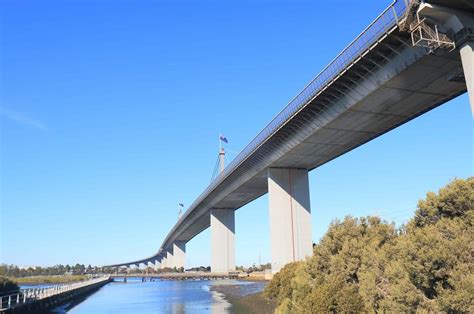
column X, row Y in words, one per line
column 369, row 265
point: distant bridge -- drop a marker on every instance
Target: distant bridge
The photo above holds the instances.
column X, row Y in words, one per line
column 189, row 275
column 412, row 58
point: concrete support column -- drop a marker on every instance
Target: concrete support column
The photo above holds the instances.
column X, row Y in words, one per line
column 290, row 216
column 179, row 254
column 169, row 258
column 467, row 57
column 222, row 240
column 157, row 264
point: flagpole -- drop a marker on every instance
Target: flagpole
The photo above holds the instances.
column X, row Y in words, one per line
column 221, row 153
column 180, row 208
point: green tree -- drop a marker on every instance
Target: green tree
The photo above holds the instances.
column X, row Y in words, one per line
column 454, row 200
column 434, row 256
column 279, row 288
column 79, row 269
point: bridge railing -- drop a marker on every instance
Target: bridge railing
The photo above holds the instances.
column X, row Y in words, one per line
column 32, row 294
column 388, row 19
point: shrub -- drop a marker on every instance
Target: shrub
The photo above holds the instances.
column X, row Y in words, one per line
column 367, row 265
column 8, row 286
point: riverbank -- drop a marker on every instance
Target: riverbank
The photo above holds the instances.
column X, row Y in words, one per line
column 46, row 280
column 246, row 297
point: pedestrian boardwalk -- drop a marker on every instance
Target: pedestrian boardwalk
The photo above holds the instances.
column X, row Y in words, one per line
column 48, row 295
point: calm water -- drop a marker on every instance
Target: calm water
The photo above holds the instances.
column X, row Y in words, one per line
column 35, row 286
column 159, row 297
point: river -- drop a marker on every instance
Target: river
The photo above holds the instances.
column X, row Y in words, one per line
column 159, row 297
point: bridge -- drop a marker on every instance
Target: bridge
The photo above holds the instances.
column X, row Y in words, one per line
column 189, row 275
column 413, row 57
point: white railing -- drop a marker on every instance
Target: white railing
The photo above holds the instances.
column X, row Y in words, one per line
column 25, row 296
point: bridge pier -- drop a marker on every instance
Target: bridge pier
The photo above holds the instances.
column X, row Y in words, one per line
column 290, row 216
column 222, row 240
column 467, row 57
column 179, row 254
column 157, row 264
column 169, row 258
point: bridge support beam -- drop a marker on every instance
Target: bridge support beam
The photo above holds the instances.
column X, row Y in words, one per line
column 179, row 254
column 222, row 240
column 467, row 57
column 290, row 216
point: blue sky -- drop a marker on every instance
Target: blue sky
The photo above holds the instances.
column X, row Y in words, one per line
column 111, row 111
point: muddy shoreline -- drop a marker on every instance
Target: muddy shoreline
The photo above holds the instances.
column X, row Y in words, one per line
column 246, row 298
